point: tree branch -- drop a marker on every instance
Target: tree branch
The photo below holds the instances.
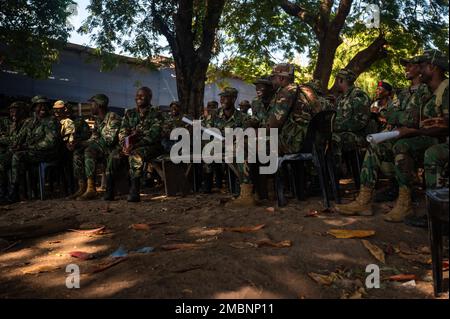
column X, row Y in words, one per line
column 365, row 58
column 304, row 15
column 342, row 13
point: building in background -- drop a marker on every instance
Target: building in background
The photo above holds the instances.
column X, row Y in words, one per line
column 77, row 77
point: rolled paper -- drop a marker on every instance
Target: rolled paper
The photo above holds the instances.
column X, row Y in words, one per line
column 204, row 129
column 382, row 137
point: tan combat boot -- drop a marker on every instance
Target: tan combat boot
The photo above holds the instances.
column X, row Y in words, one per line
column 362, row 205
column 245, row 199
column 403, row 207
column 91, row 192
column 80, row 191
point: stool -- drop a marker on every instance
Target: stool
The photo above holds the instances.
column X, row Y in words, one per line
column 437, row 206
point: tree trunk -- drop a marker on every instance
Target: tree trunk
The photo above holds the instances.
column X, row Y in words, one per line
column 325, row 59
column 364, row 59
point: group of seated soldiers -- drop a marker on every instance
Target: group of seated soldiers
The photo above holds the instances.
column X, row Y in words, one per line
column 419, row 113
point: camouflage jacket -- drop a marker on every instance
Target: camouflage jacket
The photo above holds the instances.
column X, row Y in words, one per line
column 147, row 125
column 260, row 112
column 405, row 110
column 15, row 134
column 5, row 124
column 237, row 119
column 41, row 135
column 207, row 121
column 106, row 131
column 297, row 104
column 437, row 105
column 352, row 111
column 67, row 130
column 170, row 122
column 82, row 130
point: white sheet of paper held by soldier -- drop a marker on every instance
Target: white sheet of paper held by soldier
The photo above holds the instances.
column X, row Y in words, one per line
column 204, row 129
column 382, row 137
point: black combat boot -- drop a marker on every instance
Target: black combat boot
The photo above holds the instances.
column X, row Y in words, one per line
column 134, row 194
column 109, row 194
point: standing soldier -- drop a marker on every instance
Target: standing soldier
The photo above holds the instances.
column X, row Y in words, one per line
column 41, row 143
column 261, row 104
column 102, row 143
column 209, row 113
column 75, row 133
column 353, row 114
column 139, row 138
column 10, row 130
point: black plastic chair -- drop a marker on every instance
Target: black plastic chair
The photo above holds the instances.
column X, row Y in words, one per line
column 437, row 206
column 316, row 148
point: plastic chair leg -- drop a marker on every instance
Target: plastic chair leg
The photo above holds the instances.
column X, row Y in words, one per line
column 279, row 189
column 333, row 179
column 42, row 168
column 435, row 234
column 319, row 161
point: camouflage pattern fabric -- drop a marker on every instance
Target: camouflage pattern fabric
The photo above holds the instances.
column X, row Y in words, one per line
column 436, row 166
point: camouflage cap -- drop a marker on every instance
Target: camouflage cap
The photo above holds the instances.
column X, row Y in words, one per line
column 346, row 74
column 434, row 57
column 244, row 103
column 263, row 81
column 101, row 99
column 315, row 85
column 18, row 105
column 229, row 91
column 413, row 60
column 39, row 99
column 59, row 104
column 283, row 69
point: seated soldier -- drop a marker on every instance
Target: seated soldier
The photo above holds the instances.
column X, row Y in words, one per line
column 39, row 142
column 172, row 120
column 103, row 141
column 382, row 99
column 140, row 141
column 75, row 133
column 291, row 111
column 352, row 117
column 10, row 129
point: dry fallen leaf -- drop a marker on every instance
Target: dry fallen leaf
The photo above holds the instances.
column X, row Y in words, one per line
column 268, row 242
column 346, row 233
column 423, row 259
column 270, row 209
column 243, row 244
column 40, row 269
column 144, row 227
column 322, row 279
column 403, row 277
column 245, row 229
column 376, row 251
column 312, row 213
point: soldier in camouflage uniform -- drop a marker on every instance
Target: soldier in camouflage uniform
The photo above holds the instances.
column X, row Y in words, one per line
column 75, row 133
column 140, row 141
column 291, row 111
column 209, row 113
column 10, row 129
column 39, row 142
column 244, row 106
column 406, row 119
column 103, row 141
column 171, row 121
column 227, row 117
column 261, row 104
column 352, row 117
column 316, row 86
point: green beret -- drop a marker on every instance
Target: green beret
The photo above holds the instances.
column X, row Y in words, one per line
column 18, row 105
column 264, row 81
column 283, row 69
column 39, row 99
column 434, row 57
column 228, row 91
column 413, row 60
column 101, row 99
column 347, row 74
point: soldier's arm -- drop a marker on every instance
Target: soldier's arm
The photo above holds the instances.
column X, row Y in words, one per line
column 358, row 117
column 70, row 131
column 124, row 130
column 151, row 135
column 281, row 109
column 49, row 141
column 112, row 130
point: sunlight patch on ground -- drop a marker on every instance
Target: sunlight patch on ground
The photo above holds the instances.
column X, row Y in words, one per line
column 246, row 292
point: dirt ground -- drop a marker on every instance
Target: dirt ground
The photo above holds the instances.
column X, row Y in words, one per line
column 278, row 259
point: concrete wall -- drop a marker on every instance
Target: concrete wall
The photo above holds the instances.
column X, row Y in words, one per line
column 77, row 77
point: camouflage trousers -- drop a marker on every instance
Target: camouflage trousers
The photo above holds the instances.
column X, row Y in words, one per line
column 136, row 159
column 23, row 159
column 347, row 141
column 96, row 152
column 408, row 152
column 436, row 166
column 378, row 157
column 5, row 164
